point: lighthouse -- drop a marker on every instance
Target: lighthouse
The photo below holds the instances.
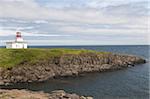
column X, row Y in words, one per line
column 18, row 43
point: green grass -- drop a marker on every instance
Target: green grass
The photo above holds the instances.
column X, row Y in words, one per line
column 13, row 57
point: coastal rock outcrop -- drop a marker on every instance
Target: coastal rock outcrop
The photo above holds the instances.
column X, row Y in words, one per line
column 67, row 65
column 24, row 94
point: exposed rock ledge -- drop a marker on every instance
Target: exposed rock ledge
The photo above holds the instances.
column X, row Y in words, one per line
column 67, row 65
column 24, row 94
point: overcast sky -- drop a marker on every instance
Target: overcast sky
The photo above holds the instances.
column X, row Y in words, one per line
column 75, row 22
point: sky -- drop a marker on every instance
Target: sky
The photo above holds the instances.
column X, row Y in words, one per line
column 75, row 22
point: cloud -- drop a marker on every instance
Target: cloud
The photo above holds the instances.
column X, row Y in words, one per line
column 16, row 28
column 28, row 10
column 78, row 19
column 135, row 9
column 97, row 31
column 33, row 34
column 40, row 21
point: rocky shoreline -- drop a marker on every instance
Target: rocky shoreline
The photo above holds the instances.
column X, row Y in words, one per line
column 67, row 65
column 25, row 94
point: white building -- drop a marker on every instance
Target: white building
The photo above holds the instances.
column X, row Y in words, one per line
column 18, row 43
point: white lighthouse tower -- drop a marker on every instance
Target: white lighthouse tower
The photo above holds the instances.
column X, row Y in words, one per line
column 18, row 43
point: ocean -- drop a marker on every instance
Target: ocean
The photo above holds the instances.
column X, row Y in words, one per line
column 129, row 83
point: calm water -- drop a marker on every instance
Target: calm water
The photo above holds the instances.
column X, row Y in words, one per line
column 130, row 83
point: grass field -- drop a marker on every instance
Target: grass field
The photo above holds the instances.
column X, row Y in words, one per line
column 13, row 57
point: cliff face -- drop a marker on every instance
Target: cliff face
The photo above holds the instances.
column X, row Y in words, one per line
column 67, row 65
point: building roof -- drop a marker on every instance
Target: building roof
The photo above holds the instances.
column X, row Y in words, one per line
column 16, row 42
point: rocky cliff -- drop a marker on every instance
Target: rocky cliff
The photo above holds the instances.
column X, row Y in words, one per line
column 66, row 65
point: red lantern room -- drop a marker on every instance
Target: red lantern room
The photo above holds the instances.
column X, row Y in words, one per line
column 18, row 37
column 18, row 34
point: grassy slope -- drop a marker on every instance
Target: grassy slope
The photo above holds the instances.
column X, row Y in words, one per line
column 13, row 57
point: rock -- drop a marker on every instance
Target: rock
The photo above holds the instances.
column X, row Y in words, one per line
column 67, row 65
column 24, row 94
